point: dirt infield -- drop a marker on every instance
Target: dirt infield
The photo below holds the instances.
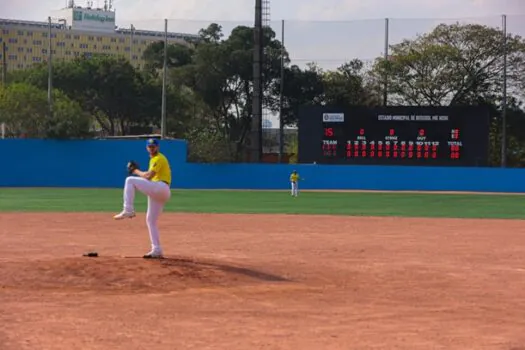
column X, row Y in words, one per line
column 262, row 282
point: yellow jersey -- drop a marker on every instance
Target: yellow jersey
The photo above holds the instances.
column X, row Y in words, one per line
column 160, row 165
column 294, row 177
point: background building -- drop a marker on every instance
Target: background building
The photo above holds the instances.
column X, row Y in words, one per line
column 75, row 32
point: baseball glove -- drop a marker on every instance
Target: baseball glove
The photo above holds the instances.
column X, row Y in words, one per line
column 132, row 165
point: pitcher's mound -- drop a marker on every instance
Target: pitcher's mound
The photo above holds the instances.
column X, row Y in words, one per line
column 125, row 275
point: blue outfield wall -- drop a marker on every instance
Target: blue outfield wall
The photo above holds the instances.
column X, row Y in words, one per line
column 101, row 164
column 92, row 163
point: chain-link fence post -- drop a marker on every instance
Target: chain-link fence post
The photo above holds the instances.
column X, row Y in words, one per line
column 385, row 85
column 281, row 121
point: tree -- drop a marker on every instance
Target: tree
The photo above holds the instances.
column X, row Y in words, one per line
column 221, row 74
column 68, row 120
column 211, row 34
column 453, row 64
column 346, row 86
column 25, row 110
column 300, row 88
column 178, row 55
column 110, row 89
column 343, row 87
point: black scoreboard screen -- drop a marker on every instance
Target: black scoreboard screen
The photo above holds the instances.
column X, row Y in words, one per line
column 431, row 136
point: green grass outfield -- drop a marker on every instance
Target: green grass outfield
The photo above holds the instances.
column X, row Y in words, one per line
column 354, row 203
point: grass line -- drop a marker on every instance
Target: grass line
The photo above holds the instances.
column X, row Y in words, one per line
column 331, row 203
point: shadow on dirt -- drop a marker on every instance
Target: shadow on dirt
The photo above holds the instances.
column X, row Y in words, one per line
column 136, row 275
column 251, row 273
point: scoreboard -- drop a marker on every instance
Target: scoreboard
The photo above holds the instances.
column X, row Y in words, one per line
column 400, row 135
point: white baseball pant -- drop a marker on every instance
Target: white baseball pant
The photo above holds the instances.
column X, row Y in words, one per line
column 295, row 188
column 158, row 194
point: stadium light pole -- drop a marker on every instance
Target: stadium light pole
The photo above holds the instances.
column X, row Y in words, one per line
column 256, row 122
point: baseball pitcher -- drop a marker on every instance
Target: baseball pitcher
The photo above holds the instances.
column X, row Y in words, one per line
column 155, row 184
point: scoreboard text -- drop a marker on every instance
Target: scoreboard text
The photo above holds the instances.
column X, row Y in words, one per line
column 394, row 135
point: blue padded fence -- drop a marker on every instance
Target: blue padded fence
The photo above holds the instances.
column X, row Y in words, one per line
column 101, row 164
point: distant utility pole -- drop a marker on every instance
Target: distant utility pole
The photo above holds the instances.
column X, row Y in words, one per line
column 50, row 69
column 163, row 130
column 4, row 64
column 131, row 44
column 4, row 80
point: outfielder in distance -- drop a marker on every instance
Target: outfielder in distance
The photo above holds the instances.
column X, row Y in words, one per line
column 294, row 181
column 155, row 184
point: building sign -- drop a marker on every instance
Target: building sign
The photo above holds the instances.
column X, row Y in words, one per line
column 86, row 16
column 77, row 15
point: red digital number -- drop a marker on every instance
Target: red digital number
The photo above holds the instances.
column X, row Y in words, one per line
column 372, row 154
column 348, row 146
column 410, row 154
column 426, row 154
column 363, row 154
column 419, row 154
column 434, row 155
column 421, row 132
column 380, row 154
column 328, row 132
column 395, row 154
column 403, row 154
column 387, row 154
column 361, row 132
column 392, row 132
column 356, row 154
column 349, row 154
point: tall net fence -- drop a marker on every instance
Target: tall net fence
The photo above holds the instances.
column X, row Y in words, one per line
column 331, row 44
column 328, row 44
